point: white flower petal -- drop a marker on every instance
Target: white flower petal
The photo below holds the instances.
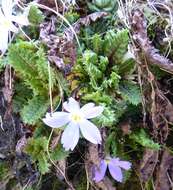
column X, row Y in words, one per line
column 12, row 28
column 21, row 20
column 87, row 106
column 7, row 6
column 70, row 136
column 58, row 119
column 1, row 16
column 90, row 131
column 3, row 40
column 71, row 105
column 89, row 111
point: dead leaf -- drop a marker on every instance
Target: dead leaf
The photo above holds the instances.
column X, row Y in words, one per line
column 125, row 127
column 139, row 29
column 162, row 180
column 85, row 21
column 55, row 141
column 62, row 51
column 8, row 90
column 148, row 164
column 21, row 144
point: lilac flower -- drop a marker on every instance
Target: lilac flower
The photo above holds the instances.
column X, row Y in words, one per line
column 76, row 119
column 115, row 168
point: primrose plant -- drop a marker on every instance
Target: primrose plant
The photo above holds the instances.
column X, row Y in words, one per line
column 115, row 166
column 9, row 22
column 76, row 121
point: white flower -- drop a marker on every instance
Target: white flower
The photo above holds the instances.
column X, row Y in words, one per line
column 7, row 20
column 76, row 119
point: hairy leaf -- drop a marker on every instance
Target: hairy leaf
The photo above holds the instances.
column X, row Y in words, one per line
column 37, row 149
column 130, row 92
column 142, row 138
column 34, row 110
column 115, row 45
column 35, row 15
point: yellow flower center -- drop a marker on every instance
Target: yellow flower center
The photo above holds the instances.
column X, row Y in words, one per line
column 107, row 161
column 6, row 23
column 76, row 117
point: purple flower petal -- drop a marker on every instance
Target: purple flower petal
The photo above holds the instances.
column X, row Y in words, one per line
column 125, row 165
column 99, row 172
column 115, row 172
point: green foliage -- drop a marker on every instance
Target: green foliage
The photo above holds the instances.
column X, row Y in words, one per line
column 37, row 149
column 101, row 70
column 115, row 45
column 59, row 154
column 111, row 144
column 97, row 97
column 82, row 185
column 20, row 99
column 35, row 16
column 72, row 16
column 107, row 118
column 112, row 82
column 3, row 63
column 142, row 138
column 31, row 66
column 130, row 92
column 34, row 110
column 126, row 67
column 103, row 5
column 4, row 168
column 91, row 67
column 111, row 114
column 97, row 43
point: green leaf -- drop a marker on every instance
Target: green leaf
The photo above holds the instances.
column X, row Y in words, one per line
column 31, row 66
column 25, row 59
column 112, row 82
column 126, row 67
column 103, row 5
column 21, row 99
column 34, row 110
column 97, row 43
column 107, row 118
column 130, row 92
column 142, row 138
column 103, row 63
column 43, row 164
column 37, row 149
column 59, row 154
column 5, row 169
column 3, row 63
column 90, row 63
column 98, row 97
column 35, row 15
column 111, row 144
column 115, row 45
